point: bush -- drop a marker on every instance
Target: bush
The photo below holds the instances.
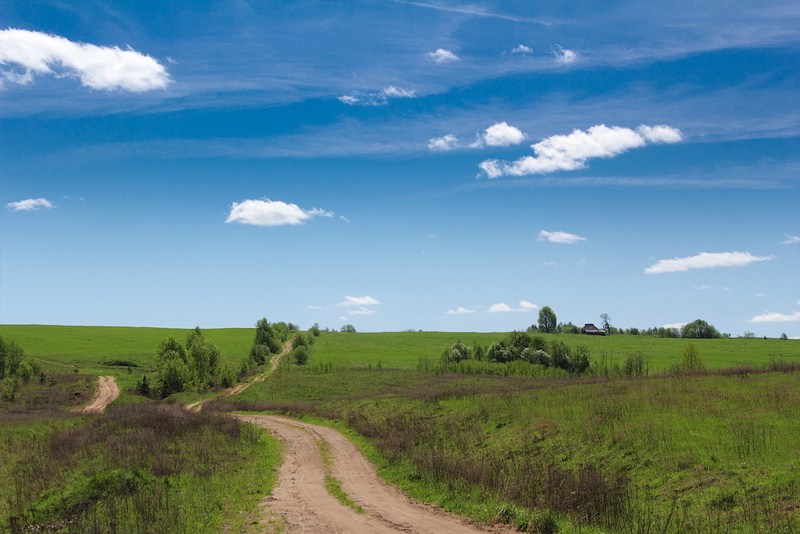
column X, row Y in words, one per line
column 300, row 355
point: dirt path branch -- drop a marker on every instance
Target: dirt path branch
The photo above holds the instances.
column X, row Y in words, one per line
column 107, row 392
column 301, row 499
column 273, row 366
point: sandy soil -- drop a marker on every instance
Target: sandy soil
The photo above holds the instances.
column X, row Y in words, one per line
column 107, row 392
column 273, row 365
column 301, row 499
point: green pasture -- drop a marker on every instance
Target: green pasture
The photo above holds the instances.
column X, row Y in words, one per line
column 88, row 347
column 404, row 350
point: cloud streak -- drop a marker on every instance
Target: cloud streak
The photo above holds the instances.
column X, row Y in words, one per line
column 776, row 318
column 574, row 150
column 30, row 204
column 560, row 237
column 25, row 54
column 705, row 260
column 266, row 212
column 377, row 98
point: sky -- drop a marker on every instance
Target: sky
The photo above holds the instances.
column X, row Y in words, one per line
column 391, row 164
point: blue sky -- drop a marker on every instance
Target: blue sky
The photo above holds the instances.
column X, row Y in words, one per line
column 400, row 165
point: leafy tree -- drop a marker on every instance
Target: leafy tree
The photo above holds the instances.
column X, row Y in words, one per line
column 12, row 357
column 314, row 330
column 300, row 355
column 193, row 336
column 175, row 375
column 348, row 328
column 547, row 320
column 171, row 349
column 699, row 329
column 784, row 336
column 570, row 328
column 606, row 322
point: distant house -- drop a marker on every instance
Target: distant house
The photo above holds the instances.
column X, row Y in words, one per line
column 592, row 330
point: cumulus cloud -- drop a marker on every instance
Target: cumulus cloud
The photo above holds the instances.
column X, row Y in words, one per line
column 442, row 56
column 776, row 318
column 560, row 237
column 502, row 307
column 521, row 49
column 501, row 134
column 572, row 151
column 564, row 56
column 791, row 240
column 366, row 300
column 266, row 212
column 676, row 326
column 705, row 260
column 459, row 311
column 377, row 98
column 30, row 204
column 25, row 54
column 444, row 143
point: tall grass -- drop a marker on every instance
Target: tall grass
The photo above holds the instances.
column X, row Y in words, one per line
column 140, row 468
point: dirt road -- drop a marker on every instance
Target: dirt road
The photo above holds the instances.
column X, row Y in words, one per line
column 301, row 499
column 273, row 365
column 107, row 392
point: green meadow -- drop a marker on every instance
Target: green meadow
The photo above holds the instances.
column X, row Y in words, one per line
column 712, row 451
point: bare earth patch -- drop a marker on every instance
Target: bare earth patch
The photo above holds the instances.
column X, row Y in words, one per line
column 301, row 499
column 107, row 392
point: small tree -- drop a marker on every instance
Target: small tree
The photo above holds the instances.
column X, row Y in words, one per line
column 699, row 329
column 547, row 320
column 143, row 386
column 606, row 322
column 300, row 355
column 691, row 358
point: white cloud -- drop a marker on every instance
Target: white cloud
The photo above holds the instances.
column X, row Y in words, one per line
column 366, row 300
column 30, row 204
column 442, row 56
column 502, row 307
column 791, row 240
column 444, row 143
column 32, row 53
column 266, row 212
column 704, row 287
column 459, row 311
column 560, row 237
column 349, row 100
column 677, row 326
column 313, row 307
column 572, row 151
column 705, row 260
column 521, row 49
column 564, row 56
column 501, row 134
column 776, row 318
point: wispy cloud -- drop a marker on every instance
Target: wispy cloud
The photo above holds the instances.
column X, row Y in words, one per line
column 266, row 212
column 459, row 311
column 472, row 10
column 521, row 49
column 366, row 300
column 442, row 56
column 560, row 237
column 791, row 240
column 25, row 54
column 564, row 56
column 572, row 151
column 30, row 204
column 705, row 260
column 377, row 98
column 776, row 318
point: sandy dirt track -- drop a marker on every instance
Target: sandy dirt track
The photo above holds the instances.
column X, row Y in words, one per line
column 107, row 392
column 273, row 364
column 301, row 499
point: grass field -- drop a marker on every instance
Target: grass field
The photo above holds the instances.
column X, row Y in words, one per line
column 403, row 350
